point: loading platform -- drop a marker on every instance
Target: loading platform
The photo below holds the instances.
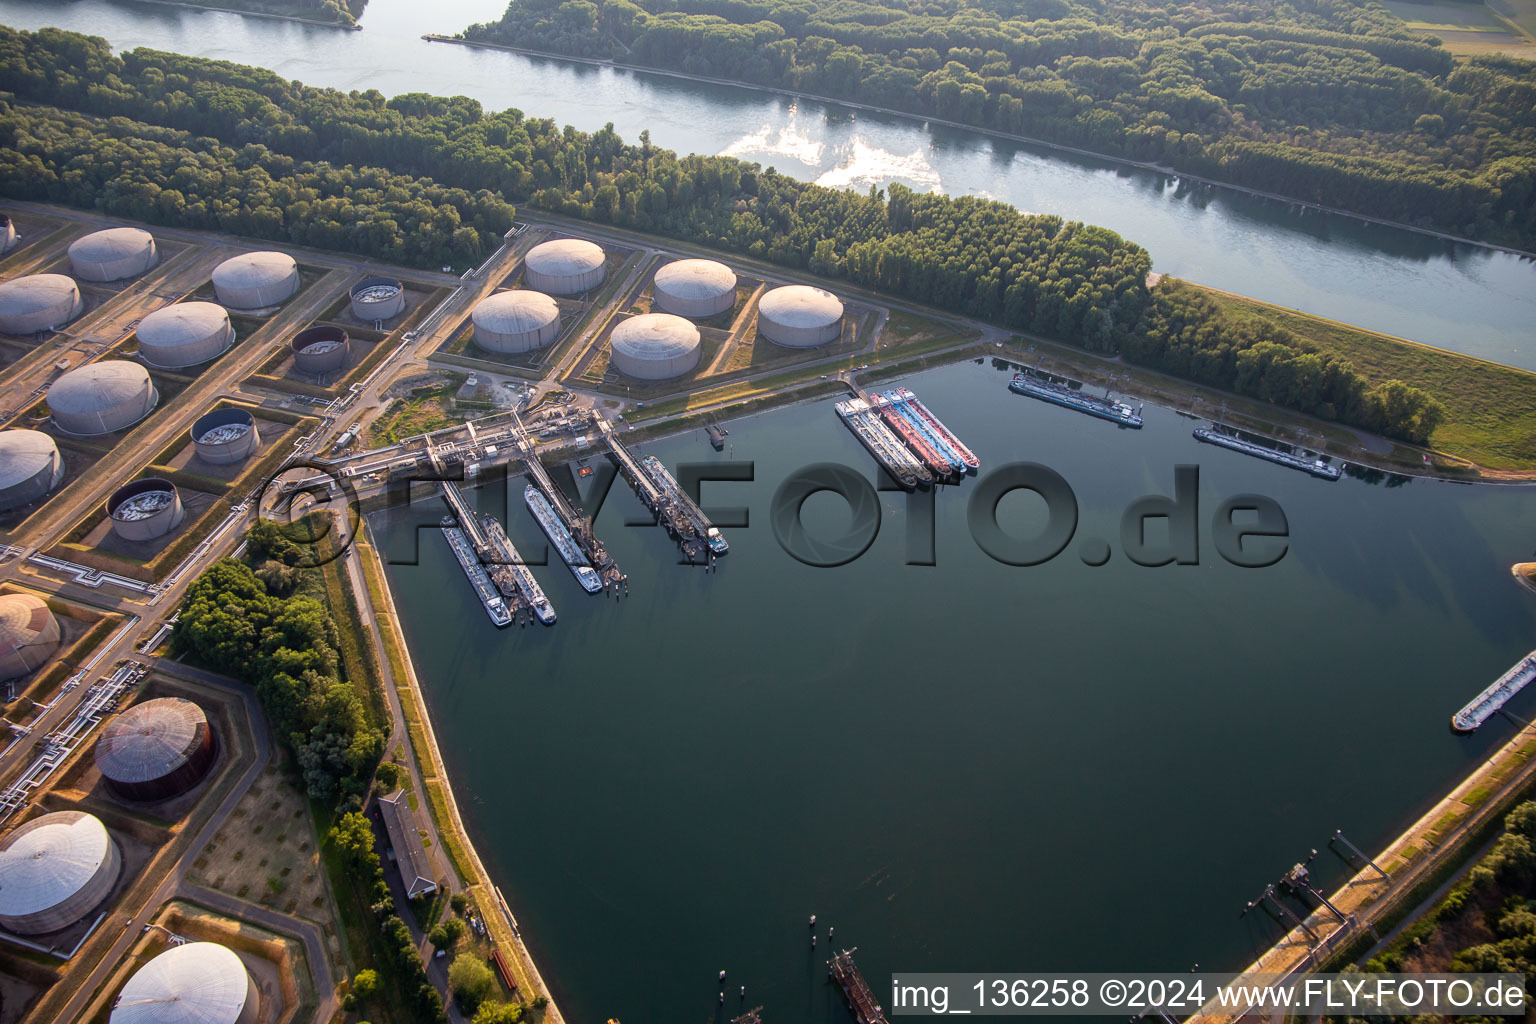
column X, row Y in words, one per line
column 866, row 1009
column 1307, row 462
column 1486, row 704
column 659, row 492
column 576, row 525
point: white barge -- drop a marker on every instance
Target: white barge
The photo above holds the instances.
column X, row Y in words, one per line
column 1486, row 704
column 560, row 537
column 464, row 551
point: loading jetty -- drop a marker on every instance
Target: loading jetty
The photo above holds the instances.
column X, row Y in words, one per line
column 490, row 597
column 1069, row 394
column 1307, row 462
column 904, row 467
column 659, row 492
column 861, row 1001
column 562, row 524
column 1488, row 703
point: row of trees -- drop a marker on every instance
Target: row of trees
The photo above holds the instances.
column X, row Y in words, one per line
column 1323, row 101
column 287, row 649
column 1184, row 333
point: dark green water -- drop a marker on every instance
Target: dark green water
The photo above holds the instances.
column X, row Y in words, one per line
column 967, row 766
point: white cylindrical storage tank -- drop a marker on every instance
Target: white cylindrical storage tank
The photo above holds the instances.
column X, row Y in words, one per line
column 799, row 316
column 564, row 266
column 695, row 288
column 55, row 870
column 225, row 436
column 256, row 280
column 145, row 510
column 113, row 254
column 321, row 349
column 99, row 398
column 195, row 983
column 29, row 634
column 185, row 334
column 39, row 302
column 7, row 233
column 377, row 298
column 30, row 467
column 655, row 346
column 516, row 321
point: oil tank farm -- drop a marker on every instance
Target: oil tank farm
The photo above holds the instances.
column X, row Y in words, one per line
column 30, row 467
column 377, row 298
column 799, row 316
column 39, row 302
column 54, row 870
column 256, row 280
column 99, row 398
column 113, row 254
column 321, row 349
column 185, row 334
column 194, row 983
column 695, row 288
column 224, row 436
column 565, row 266
column 29, row 634
column 655, row 346
column 145, row 510
column 7, row 233
column 156, row 750
column 516, row 321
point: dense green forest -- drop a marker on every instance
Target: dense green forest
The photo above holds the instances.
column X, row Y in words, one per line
column 180, row 140
column 1327, row 101
column 337, row 12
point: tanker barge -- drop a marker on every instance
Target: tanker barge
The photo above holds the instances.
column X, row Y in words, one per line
column 1307, row 462
column 527, row 586
column 561, row 538
column 668, row 485
column 1062, row 393
column 861, row 1001
column 902, row 465
column 1486, row 704
column 944, row 433
column 918, row 440
column 495, row 605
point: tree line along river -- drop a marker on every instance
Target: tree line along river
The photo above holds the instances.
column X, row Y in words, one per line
column 1440, row 293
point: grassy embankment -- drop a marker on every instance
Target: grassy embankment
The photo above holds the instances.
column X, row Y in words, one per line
column 1490, row 409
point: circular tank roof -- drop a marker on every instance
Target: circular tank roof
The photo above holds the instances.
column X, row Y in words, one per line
column 42, row 866
column 150, row 740
column 565, row 257
column 35, row 293
column 197, row 983
column 516, row 312
column 23, row 455
column 111, row 244
column 185, row 323
column 800, row 305
column 695, row 279
column 655, row 336
column 254, row 270
column 97, row 386
column 23, row 618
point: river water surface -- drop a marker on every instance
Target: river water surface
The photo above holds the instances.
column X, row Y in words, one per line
column 1453, row 296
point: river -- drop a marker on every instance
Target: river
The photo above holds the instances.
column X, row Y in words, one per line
column 1452, row 296
column 961, row 767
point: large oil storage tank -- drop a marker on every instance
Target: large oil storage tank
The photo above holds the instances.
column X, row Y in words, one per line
column 7, row 233
column 156, row 750
column 377, row 298
column 225, row 436
column 516, row 321
column 256, row 280
column 185, row 334
column 145, row 509
column 30, row 467
column 695, row 288
column 113, row 254
column 321, row 349
column 655, row 346
column 29, row 634
column 195, row 983
column 54, row 870
column 99, row 398
column 799, row 316
column 39, row 302
column 564, row 266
